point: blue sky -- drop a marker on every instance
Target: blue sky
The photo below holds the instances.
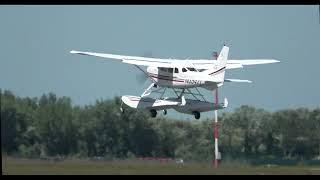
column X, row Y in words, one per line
column 35, row 42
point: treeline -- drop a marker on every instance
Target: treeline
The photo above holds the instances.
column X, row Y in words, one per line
column 50, row 126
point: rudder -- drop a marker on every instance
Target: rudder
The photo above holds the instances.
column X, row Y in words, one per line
column 218, row 71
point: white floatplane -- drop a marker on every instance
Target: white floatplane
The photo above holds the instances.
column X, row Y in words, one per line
column 181, row 74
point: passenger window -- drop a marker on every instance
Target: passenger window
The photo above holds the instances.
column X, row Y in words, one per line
column 170, row 70
column 191, row 69
column 176, row 70
column 184, row 70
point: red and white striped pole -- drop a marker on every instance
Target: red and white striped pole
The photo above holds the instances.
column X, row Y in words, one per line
column 215, row 124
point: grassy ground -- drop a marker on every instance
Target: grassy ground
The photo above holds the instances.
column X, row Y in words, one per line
column 26, row 166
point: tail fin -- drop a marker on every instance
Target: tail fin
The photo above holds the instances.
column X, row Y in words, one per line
column 217, row 72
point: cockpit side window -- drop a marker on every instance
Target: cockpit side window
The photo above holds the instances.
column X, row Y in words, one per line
column 163, row 69
column 184, row 70
column 176, row 70
column 191, row 69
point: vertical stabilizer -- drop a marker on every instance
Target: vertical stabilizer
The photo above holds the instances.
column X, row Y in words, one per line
column 218, row 70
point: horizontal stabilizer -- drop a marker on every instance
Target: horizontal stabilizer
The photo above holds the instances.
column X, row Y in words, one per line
column 237, row 80
column 253, row 61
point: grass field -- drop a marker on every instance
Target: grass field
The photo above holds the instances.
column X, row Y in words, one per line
column 11, row 166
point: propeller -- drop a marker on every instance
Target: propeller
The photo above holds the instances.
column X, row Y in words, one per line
column 141, row 77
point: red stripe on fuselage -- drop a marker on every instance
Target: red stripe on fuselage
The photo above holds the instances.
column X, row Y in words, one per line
column 218, row 71
column 164, row 78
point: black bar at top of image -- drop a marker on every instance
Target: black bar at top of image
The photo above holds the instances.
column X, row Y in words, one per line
column 161, row 2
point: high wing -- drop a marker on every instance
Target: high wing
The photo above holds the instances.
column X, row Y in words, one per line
column 170, row 63
column 136, row 60
column 232, row 64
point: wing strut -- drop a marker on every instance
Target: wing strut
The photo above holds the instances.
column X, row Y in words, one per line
column 192, row 94
column 200, row 94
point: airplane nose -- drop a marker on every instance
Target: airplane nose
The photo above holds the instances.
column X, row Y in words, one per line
column 148, row 69
column 151, row 69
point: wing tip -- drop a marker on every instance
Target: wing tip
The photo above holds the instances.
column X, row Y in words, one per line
column 275, row 61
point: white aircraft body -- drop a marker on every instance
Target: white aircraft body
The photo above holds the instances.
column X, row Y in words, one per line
column 181, row 74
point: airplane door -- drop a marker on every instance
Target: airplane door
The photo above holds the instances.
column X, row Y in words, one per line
column 179, row 74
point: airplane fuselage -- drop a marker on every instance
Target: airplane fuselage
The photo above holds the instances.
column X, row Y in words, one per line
column 178, row 78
